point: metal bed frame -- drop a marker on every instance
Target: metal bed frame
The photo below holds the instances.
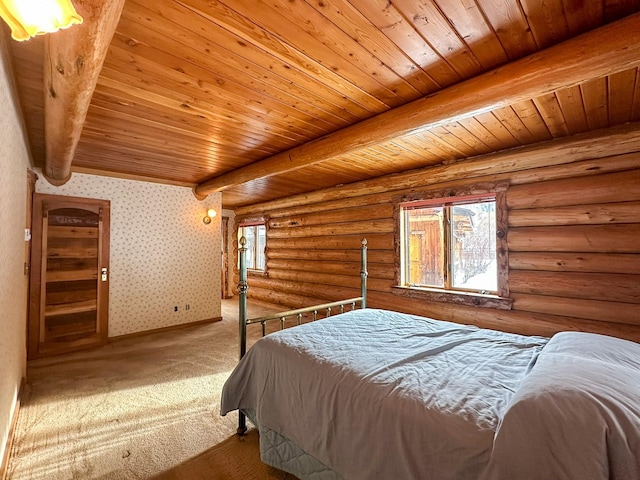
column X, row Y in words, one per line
column 243, row 321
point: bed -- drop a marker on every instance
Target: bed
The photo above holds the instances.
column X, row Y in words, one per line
column 376, row 394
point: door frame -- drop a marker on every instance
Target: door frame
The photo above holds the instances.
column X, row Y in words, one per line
column 43, row 203
column 32, row 178
column 225, row 257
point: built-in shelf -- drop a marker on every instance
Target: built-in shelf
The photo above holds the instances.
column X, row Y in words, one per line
column 52, row 343
column 68, row 308
column 73, row 232
column 69, row 297
column 86, row 253
column 71, row 275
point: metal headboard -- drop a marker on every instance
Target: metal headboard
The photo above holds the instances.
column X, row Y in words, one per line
column 243, row 321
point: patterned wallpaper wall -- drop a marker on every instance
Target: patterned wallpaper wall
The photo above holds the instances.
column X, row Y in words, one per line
column 14, row 162
column 162, row 254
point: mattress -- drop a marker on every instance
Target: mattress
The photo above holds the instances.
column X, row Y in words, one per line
column 380, row 394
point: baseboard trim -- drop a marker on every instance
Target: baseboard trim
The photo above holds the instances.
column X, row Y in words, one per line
column 180, row 326
column 12, row 431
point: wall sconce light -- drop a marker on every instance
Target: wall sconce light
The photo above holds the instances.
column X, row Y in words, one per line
column 209, row 216
column 37, row 17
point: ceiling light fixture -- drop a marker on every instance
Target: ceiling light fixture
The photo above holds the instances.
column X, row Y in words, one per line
column 28, row 18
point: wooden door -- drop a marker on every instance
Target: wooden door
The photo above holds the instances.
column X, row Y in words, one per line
column 69, row 293
column 415, row 260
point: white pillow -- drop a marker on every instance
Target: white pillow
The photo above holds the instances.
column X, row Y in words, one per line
column 576, row 415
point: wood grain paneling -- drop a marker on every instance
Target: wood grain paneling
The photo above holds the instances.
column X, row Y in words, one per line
column 577, row 285
column 613, row 187
column 584, row 238
column 607, row 213
column 191, row 90
column 574, row 257
column 576, row 262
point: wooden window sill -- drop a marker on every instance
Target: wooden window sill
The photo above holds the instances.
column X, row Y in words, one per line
column 449, row 296
column 257, row 273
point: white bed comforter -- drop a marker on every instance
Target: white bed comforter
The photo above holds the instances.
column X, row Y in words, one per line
column 576, row 416
column 375, row 394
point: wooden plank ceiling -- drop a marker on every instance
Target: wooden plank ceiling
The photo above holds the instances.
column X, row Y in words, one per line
column 194, row 89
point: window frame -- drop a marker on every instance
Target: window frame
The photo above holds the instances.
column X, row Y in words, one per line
column 447, row 197
column 254, row 222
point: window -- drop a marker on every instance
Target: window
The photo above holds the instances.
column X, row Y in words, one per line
column 256, row 236
column 452, row 245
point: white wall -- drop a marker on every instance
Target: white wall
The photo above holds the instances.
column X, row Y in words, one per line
column 162, row 254
column 14, row 162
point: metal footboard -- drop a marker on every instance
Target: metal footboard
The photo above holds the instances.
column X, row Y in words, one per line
column 327, row 308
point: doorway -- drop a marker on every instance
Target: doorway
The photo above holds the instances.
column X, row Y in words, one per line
column 224, row 281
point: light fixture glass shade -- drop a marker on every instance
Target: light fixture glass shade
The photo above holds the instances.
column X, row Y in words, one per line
column 28, row 18
column 209, row 216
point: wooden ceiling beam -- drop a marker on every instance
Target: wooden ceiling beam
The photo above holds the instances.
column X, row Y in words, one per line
column 622, row 141
column 606, row 50
column 73, row 59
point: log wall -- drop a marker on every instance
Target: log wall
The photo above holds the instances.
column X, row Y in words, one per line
column 573, row 238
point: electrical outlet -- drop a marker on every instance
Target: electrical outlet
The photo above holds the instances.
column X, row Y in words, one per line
column 187, row 306
column 175, row 308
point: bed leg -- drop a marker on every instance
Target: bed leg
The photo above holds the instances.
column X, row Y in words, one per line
column 242, row 424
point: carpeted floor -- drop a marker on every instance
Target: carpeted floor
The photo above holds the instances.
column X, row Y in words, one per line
column 235, row 458
column 145, row 407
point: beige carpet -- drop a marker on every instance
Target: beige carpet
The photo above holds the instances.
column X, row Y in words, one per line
column 138, row 408
column 231, row 459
